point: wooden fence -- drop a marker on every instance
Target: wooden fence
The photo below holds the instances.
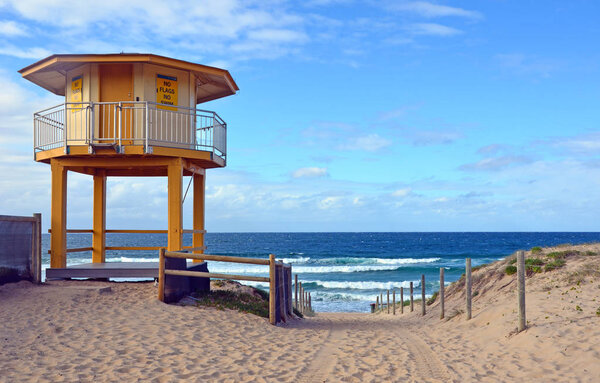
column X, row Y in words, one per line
column 21, row 248
column 280, row 279
column 522, row 323
column 130, row 231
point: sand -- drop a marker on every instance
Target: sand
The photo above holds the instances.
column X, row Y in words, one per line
column 74, row 331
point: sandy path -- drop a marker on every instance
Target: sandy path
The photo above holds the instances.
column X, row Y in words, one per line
column 65, row 333
column 428, row 365
column 368, row 348
column 326, row 358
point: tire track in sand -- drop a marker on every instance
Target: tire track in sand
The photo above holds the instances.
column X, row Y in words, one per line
column 325, row 359
column 428, row 366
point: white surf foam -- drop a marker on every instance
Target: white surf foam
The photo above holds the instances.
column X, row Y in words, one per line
column 359, row 285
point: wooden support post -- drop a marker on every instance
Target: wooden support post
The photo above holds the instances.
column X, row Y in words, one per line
column 412, row 302
column 306, row 301
column 198, row 212
column 377, row 302
column 468, row 286
column 175, row 221
column 388, row 301
column 301, row 302
column 394, row 300
column 272, row 318
column 401, row 300
column 423, row 300
column 161, row 275
column 381, row 300
column 296, row 294
column 280, row 291
column 288, row 290
column 310, row 302
column 58, row 215
column 521, row 289
column 442, row 297
column 291, row 291
column 36, row 256
column 99, row 218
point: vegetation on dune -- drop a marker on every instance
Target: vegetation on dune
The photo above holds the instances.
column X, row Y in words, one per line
column 552, row 265
column 552, row 261
column 432, row 299
column 243, row 302
column 534, row 262
column 222, row 299
column 479, row 267
column 536, row 250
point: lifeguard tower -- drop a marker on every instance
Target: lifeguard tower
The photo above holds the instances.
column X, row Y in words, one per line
column 127, row 115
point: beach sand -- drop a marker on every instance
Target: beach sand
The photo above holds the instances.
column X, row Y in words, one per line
column 72, row 331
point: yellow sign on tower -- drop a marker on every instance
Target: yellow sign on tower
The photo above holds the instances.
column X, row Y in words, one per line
column 76, row 90
column 166, row 91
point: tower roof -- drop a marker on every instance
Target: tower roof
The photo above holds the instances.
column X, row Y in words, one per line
column 50, row 73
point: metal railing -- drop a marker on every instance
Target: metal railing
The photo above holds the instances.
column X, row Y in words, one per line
column 129, row 123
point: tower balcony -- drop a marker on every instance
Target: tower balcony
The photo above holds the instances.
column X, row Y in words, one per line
column 128, row 127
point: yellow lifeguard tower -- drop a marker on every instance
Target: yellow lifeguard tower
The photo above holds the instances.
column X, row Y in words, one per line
column 127, row 115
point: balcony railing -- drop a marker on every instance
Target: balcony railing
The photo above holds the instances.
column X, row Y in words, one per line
column 125, row 123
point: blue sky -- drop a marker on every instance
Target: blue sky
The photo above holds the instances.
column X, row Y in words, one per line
column 352, row 116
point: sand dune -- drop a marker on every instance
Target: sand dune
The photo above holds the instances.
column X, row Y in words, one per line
column 70, row 331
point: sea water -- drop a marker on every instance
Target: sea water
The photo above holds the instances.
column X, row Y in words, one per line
column 342, row 271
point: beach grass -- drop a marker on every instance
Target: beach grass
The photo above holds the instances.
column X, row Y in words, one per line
column 243, row 302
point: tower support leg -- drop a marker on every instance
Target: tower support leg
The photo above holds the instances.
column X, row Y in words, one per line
column 199, row 192
column 58, row 212
column 99, row 224
column 175, row 174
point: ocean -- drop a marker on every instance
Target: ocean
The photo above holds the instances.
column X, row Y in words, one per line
column 343, row 271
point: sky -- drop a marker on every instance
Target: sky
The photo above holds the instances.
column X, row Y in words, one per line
column 351, row 116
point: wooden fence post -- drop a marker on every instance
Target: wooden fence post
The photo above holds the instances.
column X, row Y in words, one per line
column 521, row 289
column 401, row 300
column 468, row 286
column 161, row 275
column 394, row 301
column 301, row 299
column 296, row 295
column 37, row 248
column 290, row 301
column 412, row 306
column 377, row 302
column 310, row 302
column 442, row 292
column 381, row 300
column 272, row 318
column 306, row 301
column 280, row 290
column 423, row 302
column 388, row 301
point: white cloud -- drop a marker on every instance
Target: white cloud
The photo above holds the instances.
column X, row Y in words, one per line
column 329, row 203
column 434, row 137
column 402, row 192
column 313, row 172
column 370, row 143
column 586, row 144
column 11, row 28
column 253, row 29
column 430, row 10
column 496, row 163
column 527, row 64
column 433, row 29
column 24, row 53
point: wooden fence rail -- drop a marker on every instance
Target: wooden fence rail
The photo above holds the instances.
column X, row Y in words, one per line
column 279, row 279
